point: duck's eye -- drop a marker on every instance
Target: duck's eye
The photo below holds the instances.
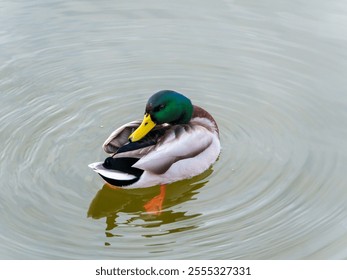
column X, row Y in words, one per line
column 158, row 108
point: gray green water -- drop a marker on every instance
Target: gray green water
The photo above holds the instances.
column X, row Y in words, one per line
column 272, row 73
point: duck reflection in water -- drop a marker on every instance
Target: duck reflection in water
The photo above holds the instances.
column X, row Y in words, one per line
column 147, row 204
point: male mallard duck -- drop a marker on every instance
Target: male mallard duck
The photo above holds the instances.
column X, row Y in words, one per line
column 176, row 140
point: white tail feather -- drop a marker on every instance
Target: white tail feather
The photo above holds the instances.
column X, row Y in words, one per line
column 109, row 173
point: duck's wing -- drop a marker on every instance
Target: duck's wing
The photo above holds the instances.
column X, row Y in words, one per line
column 179, row 142
column 119, row 137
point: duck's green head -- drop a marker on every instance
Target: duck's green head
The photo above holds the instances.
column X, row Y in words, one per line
column 165, row 106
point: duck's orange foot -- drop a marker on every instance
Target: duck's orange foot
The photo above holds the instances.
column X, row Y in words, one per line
column 155, row 205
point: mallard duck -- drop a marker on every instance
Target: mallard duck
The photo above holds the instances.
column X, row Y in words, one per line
column 175, row 140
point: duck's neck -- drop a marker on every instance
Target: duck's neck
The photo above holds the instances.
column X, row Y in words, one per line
column 185, row 117
column 199, row 112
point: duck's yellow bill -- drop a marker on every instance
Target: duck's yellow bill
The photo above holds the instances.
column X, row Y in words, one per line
column 145, row 127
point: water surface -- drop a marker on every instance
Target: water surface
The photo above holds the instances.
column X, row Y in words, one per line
column 272, row 73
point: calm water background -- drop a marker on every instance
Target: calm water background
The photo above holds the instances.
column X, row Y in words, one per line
column 272, row 73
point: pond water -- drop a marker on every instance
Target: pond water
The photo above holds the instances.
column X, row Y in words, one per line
column 272, row 73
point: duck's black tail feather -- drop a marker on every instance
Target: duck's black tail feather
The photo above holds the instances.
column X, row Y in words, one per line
column 124, row 165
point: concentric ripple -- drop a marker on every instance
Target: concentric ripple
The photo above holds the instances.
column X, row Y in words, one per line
column 73, row 72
